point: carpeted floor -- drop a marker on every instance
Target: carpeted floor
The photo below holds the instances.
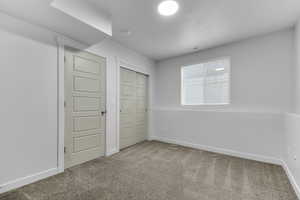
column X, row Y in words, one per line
column 159, row 171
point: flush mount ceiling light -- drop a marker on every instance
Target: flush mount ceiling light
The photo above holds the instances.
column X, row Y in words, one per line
column 168, row 7
column 220, row 69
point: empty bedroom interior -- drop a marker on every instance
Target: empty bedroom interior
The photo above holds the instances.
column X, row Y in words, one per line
column 150, row 99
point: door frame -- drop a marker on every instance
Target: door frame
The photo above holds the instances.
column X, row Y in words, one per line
column 61, row 43
column 124, row 64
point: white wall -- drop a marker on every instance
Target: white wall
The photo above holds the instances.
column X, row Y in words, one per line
column 252, row 125
column 255, row 136
column 292, row 121
column 29, row 99
column 28, row 82
column 292, row 148
column 260, row 74
column 296, row 70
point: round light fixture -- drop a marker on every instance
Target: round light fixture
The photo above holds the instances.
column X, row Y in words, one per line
column 168, row 7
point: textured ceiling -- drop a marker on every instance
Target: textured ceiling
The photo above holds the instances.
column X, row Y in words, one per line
column 199, row 23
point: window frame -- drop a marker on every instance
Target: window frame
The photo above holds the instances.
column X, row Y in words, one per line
column 201, row 62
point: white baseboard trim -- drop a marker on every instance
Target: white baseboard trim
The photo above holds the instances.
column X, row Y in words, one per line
column 220, row 150
column 291, row 178
column 28, row 179
column 112, row 152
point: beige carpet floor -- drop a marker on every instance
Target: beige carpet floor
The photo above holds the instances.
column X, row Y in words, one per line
column 159, row 171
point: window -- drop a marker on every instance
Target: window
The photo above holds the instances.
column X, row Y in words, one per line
column 206, row 83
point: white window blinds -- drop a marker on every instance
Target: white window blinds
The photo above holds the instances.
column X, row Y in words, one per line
column 206, row 83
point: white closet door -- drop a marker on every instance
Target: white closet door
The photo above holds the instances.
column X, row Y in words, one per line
column 85, row 107
column 133, row 107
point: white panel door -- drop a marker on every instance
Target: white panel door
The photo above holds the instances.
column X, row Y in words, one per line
column 85, row 107
column 133, row 107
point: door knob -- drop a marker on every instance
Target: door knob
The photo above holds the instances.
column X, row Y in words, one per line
column 103, row 112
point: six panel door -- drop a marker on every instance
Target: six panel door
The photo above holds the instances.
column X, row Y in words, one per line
column 85, row 107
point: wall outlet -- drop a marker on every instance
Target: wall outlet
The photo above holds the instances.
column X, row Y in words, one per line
column 295, row 157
